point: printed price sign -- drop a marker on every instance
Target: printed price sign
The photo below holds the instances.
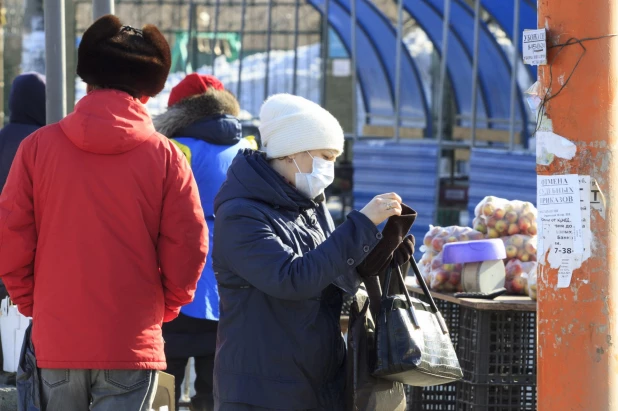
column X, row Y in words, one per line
column 534, row 47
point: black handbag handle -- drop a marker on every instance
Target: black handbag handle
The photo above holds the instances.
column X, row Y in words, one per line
column 423, row 285
column 402, row 284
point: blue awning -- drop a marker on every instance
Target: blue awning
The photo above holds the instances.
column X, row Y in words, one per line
column 459, row 60
column 502, row 11
column 372, row 75
column 494, row 67
column 413, row 99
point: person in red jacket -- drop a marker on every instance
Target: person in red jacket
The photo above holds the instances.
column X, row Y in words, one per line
column 102, row 234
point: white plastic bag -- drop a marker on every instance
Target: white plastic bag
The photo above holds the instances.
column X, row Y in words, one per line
column 13, row 327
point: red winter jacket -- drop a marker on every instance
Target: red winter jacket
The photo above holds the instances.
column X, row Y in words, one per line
column 102, row 236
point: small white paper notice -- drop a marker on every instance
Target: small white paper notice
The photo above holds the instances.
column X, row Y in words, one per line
column 534, row 47
column 341, row 68
column 560, row 224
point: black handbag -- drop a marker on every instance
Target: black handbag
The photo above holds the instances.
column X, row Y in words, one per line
column 364, row 392
column 413, row 345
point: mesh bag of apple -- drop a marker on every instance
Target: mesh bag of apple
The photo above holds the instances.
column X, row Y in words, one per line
column 444, row 277
column 520, row 277
column 496, row 217
column 515, row 223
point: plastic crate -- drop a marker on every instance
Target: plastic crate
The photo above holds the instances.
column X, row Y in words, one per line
column 439, row 397
column 450, row 313
column 497, row 347
column 436, row 398
column 492, row 397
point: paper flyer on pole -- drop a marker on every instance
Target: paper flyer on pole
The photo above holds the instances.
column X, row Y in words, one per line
column 560, row 224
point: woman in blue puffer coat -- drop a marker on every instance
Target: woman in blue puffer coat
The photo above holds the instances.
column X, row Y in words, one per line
column 282, row 267
column 201, row 120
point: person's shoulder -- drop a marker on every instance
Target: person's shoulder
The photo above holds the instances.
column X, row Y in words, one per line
column 44, row 134
column 160, row 142
column 242, row 207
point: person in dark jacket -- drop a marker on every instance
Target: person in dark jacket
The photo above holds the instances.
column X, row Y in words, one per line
column 27, row 107
column 201, row 120
column 282, row 267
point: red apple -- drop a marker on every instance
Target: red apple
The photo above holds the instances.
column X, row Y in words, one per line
column 524, row 224
column 513, row 229
column 533, row 229
column 436, row 263
column 514, row 267
column 511, row 251
column 493, row 233
column 455, row 278
column 518, row 284
column 441, row 277
column 508, row 284
column 437, row 244
column 511, row 217
column 499, row 213
column 491, row 223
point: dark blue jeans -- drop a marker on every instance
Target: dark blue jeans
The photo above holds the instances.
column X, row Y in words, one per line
column 98, row 390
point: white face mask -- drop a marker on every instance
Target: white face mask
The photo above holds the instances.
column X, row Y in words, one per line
column 313, row 184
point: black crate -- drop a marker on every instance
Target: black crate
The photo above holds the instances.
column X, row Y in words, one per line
column 450, row 313
column 440, row 397
column 497, row 347
column 495, row 397
column 436, row 398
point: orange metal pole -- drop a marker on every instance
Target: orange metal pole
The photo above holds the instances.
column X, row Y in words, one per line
column 577, row 361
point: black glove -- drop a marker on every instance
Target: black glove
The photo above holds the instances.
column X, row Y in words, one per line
column 392, row 239
column 405, row 251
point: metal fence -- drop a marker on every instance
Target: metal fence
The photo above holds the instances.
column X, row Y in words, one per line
column 443, row 69
column 448, row 71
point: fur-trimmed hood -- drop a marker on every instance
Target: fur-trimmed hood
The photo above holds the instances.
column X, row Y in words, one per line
column 210, row 117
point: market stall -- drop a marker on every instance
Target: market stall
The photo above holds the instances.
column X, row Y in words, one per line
column 496, row 346
column 494, row 337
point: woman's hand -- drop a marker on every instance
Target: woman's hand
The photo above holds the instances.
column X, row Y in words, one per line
column 382, row 207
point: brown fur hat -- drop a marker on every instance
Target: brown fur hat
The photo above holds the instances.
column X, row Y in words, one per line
column 111, row 55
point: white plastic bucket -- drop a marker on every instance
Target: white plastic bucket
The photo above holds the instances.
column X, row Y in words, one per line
column 13, row 327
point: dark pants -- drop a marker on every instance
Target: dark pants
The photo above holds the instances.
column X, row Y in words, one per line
column 187, row 337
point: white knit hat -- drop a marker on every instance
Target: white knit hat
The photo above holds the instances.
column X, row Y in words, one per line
column 292, row 124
